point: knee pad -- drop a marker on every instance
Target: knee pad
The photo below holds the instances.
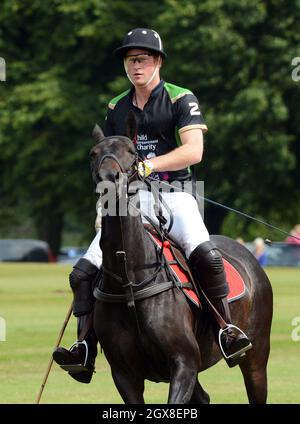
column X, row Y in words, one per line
column 83, row 270
column 81, row 281
column 213, row 261
column 207, row 256
column 207, row 264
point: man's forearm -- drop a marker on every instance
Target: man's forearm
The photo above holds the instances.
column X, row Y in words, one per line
column 179, row 158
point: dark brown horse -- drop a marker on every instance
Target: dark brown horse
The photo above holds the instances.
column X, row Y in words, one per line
column 145, row 325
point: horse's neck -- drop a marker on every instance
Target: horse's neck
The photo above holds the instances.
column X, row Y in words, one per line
column 126, row 233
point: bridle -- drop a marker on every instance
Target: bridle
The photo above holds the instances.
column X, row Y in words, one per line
column 129, row 286
column 131, row 172
column 135, row 291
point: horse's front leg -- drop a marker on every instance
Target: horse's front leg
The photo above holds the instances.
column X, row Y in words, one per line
column 182, row 380
column 130, row 387
column 181, row 348
column 199, row 397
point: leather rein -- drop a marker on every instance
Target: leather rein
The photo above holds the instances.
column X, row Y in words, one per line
column 133, row 290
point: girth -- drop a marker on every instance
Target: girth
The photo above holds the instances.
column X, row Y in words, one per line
column 140, row 294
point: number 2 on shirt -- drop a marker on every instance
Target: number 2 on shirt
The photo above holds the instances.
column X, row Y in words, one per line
column 194, row 108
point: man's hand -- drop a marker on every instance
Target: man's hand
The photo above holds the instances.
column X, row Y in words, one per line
column 145, row 168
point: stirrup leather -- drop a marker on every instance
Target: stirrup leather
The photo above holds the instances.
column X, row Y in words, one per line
column 76, row 368
column 238, row 354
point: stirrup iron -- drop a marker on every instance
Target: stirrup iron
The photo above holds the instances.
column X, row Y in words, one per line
column 76, row 368
column 239, row 353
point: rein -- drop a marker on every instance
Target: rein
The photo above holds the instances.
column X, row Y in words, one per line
column 134, row 290
column 236, row 211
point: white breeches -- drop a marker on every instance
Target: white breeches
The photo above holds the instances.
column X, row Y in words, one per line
column 188, row 228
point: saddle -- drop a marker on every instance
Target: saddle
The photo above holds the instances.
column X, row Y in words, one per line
column 181, row 272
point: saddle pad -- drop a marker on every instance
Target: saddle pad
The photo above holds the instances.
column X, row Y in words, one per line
column 235, row 281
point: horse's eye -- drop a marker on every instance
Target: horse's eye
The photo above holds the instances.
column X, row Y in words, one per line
column 92, row 154
column 95, row 151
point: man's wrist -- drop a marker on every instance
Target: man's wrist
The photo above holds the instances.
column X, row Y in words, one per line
column 145, row 168
column 149, row 164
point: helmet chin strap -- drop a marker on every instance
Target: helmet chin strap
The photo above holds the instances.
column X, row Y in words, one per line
column 153, row 75
column 150, row 79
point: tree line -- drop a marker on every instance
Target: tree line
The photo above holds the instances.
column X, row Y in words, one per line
column 235, row 55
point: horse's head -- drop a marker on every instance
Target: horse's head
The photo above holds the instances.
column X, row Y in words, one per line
column 114, row 155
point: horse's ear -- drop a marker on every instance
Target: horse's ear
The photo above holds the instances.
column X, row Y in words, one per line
column 97, row 133
column 131, row 125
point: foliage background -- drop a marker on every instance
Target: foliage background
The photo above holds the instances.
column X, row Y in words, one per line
column 235, row 55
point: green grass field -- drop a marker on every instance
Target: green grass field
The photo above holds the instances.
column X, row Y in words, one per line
column 34, row 300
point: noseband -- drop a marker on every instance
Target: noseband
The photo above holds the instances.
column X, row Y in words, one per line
column 131, row 172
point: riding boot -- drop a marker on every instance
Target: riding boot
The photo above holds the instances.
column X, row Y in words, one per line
column 79, row 360
column 207, row 267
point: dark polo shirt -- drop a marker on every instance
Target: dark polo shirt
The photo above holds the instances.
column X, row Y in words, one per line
column 169, row 111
